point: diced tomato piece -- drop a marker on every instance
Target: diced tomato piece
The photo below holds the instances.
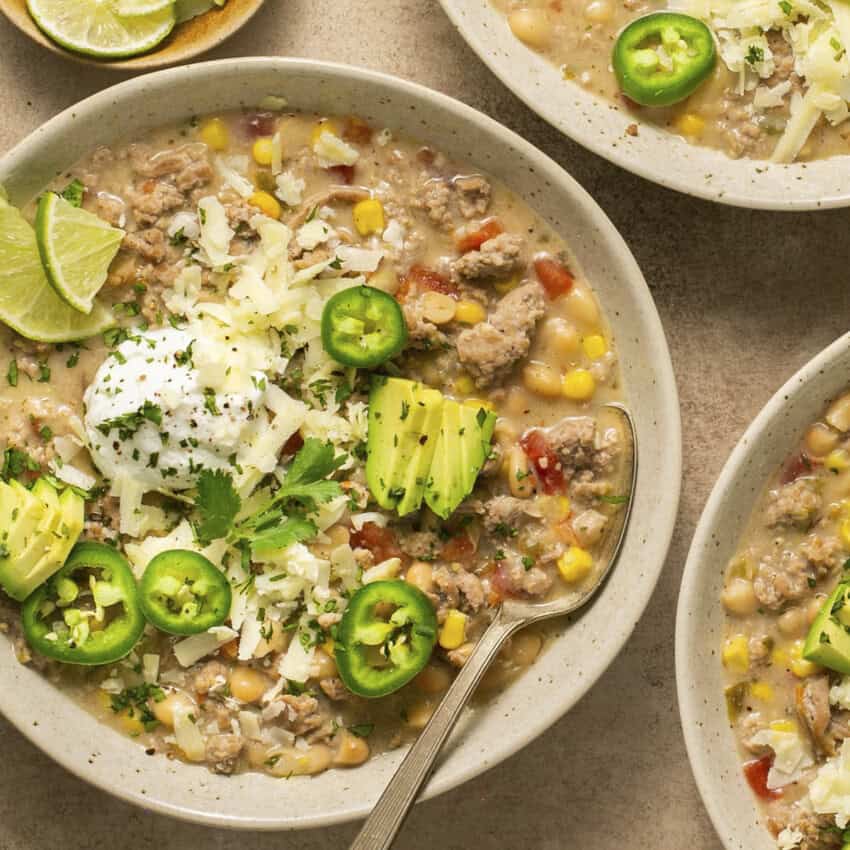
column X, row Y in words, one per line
column 260, row 124
column 425, row 280
column 293, row 444
column 756, row 773
column 554, row 276
column 546, row 463
column 459, row 548
column 380, row 541
column 501, row 586
column 342, row 173
column 230, row 650
column 472, row 240
column 356, row 130
column 796, row 465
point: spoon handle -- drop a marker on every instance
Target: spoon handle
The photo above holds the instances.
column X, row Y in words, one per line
column 389, row 813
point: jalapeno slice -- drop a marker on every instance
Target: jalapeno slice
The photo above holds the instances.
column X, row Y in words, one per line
column 662, row 58
column 183, row 593
column 88, row 612
column 363, row 327
column 385, row 637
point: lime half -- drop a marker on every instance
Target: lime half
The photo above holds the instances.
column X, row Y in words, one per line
column 95, row 28
column 76, row 248
column 28, row 303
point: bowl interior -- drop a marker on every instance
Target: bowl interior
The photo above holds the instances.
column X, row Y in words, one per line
column 577, row 658
column 661, row 157
column 699, row 623
column 188, row 39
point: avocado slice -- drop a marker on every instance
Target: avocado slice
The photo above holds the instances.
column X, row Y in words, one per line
column 40, row 528
column 828, row 641
column 462, row 450
column 404, row 421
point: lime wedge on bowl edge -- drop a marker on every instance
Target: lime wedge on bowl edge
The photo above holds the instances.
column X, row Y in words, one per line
column 93, row 27
column 76, row 249
column 28, row 303
column 131, row 8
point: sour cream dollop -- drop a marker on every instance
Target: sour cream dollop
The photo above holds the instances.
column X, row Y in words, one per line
column 148, row 415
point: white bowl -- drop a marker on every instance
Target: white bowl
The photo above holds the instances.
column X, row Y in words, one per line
column 662, row 157
column 575, row 660
column 700, row 617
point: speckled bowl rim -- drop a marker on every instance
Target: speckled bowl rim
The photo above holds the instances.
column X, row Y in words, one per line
column 763, row 447
column 577, row 657
column 662, row 157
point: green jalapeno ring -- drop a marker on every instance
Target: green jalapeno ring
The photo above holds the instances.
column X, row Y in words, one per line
column 111, row 584
column 183, row 593
column 363, row 327
column 376, row 654
column 642, row 77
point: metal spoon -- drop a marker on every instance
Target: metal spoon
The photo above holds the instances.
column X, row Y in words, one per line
column 386, row 819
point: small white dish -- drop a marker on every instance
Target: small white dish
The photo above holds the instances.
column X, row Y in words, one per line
column 699, row 618
column 576, row 659
column 601, row 126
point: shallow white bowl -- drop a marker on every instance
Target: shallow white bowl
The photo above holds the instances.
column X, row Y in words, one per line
column 662, row 157
column 575, row 660
column 699, row 618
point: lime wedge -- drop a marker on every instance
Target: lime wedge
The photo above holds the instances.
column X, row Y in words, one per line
column 130, row 8
column 76, row 249
column 28, row 303
column 93, row 27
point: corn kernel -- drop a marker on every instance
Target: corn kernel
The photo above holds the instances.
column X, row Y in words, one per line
column 470, row 312
column 579, row 385
column 215, row 135
column 328, row 647
column 453, row 632
column 575, row 564
column 845, row 533
column 503, row 287
column 837, row 461
column 564, row 506
column 690, row 124
column 762, row 691
column 325, row 126
column 263, row 151
column 369, row 217
column 779, row 657
column 736, row 654
column 594, row 346
column 783, row 726
column 801, row 667
column 464, row 385
column 479, row 402
column 266, row 203
column 131, row 724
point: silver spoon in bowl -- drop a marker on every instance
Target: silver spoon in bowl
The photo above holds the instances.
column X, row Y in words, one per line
column 386, row 819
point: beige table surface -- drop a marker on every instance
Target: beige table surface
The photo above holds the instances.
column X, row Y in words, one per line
column 746, row 298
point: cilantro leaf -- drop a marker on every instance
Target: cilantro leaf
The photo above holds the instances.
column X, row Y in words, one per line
column 313, row 461
column 73, row 193
column 217, row 503
column 281, row 522
column 291, row 530
column 128, row 423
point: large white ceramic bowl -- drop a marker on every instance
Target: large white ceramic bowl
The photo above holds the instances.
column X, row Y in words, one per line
column 659, row 156
column 699, row 618
column 576, row 659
